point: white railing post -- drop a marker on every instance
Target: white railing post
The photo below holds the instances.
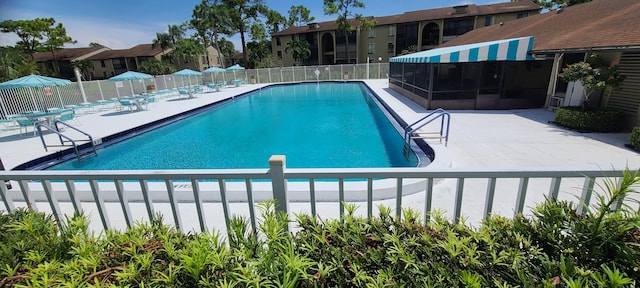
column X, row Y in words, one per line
column 277, row 166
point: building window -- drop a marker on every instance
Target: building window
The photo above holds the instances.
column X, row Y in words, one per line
column 488, row 21
column 391, row 30
column 522, row 15
column 371, row 33
column 204, row 59
column 455, row 27
column 371, row 48
column 279, row 54
column 390, row 48
column 278, row 41
column 104, row 74
column 102, row 64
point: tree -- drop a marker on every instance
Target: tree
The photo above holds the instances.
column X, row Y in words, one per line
column 274, row 21
column 154, row 66
column 227, row 49
column 269, row 62
column 30, row 32
column 187, row 48
column 298, row 49
column 15, row 63
column 555, row 4
column 260, row 47
column 55, row 38
column 201, row 23
column 343, row 9
column 299, row 15
column 221, row 24
column 163, row 40
column 176, row 32
column 594, row 76
column 84, row 66
column 211, row 18
column 241, row 13
column 95, row 44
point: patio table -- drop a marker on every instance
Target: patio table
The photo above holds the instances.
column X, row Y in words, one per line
column 42, row 117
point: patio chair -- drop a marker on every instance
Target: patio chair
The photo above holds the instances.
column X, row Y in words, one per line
column 127, row 103
column 149, row 101
column 213, row 87
column 25, row 122
column 67, row 115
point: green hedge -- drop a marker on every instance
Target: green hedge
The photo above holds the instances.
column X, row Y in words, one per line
column 590, row 120
column 634, row 138
column 556, row 247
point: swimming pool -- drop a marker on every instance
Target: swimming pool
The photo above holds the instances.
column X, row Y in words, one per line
column 316, row 125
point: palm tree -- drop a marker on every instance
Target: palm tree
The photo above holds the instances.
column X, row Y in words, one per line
column 84, row 65
column 163, row 40
column 176, row 32
column 298, row 49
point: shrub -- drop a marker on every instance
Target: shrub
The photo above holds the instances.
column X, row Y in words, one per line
column 592, row 120
column 556, row 247
column 634, row 138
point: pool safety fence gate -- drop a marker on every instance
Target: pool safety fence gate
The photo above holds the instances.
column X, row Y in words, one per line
column 195, row 188
column 95, row 93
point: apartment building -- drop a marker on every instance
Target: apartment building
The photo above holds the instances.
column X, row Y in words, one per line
column 410, row 31
column 110, row 62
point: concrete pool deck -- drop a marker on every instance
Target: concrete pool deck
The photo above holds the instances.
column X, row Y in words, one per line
column 479, row 140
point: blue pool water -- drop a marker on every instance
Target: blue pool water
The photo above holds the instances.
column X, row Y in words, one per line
column 325, row 125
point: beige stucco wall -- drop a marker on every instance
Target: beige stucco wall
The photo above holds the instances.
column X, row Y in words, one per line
column 382, row 38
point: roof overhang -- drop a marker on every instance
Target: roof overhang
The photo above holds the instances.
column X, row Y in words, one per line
column 515, row 49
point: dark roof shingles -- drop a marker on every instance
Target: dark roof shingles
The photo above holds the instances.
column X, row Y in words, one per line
column 64, row 54
column 597, row 24
column 140, row 50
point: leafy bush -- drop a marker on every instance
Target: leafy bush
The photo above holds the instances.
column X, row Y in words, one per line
column 595, row 75
column 634, row 138
column 555, row 248
column 592, row 120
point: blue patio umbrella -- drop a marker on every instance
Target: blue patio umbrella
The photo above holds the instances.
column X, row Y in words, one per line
column 187, row 73
column 34, row 81
column 235, row 68
column 214, row 70
column 129, row 75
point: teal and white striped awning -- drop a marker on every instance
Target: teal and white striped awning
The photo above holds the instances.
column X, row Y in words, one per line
column 501, row 50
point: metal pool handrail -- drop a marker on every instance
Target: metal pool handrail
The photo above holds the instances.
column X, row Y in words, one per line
column 434, row 115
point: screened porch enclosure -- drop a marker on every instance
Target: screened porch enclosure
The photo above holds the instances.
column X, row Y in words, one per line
column 490, row 75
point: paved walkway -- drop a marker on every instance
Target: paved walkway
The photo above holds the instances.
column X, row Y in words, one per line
column 479, row 140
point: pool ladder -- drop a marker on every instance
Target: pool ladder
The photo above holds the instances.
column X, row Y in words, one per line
column 64, row 139
column 411, row 131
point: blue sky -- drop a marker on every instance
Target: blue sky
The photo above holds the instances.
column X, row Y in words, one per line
column 122, row 24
